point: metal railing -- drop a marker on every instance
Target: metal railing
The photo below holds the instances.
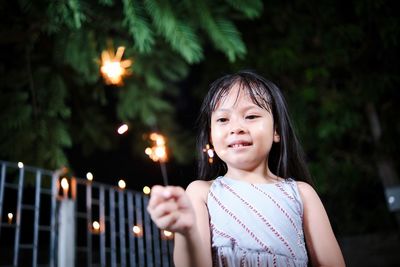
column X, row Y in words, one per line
column 101, row 225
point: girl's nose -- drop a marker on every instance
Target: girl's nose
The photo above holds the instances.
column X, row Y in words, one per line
column 237, row 128
column 237, row 131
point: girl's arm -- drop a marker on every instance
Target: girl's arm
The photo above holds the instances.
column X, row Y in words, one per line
column 322, row 245
column 194, row 248
column 184, row 213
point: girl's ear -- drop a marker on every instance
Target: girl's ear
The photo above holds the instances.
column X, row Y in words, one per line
column 277, row 137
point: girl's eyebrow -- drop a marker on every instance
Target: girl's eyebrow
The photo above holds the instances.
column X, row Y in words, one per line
column 243, row 109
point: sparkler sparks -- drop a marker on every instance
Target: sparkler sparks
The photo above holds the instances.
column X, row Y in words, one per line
column 158, row 152
column 210, row 153
column 113, row 68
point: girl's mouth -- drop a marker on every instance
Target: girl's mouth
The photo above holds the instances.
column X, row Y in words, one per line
column 239, row 144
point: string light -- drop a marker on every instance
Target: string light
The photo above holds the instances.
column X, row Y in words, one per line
column 10, row 217
column 64, row 183
column 121, row 184
column 137, row 230
column 96, row 226
column 89, row 176
column 65, row 187
column 112, row 68
column 122, row 129
column 146, row 190
column 166, row 234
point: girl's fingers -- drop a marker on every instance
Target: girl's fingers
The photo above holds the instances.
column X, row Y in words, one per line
column 160, row 194
column 163, row 208
column 173, row 192
column 167, row 222
column 156, row 196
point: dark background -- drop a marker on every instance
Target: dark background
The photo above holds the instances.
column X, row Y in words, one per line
column 336, row 62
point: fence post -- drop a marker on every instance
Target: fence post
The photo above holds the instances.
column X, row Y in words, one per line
column 66, row 233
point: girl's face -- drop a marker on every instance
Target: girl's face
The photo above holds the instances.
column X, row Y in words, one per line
column 242, row 133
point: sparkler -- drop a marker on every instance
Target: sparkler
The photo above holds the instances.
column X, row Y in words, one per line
column 210, row 153
column 112, row 67
column 158, row 152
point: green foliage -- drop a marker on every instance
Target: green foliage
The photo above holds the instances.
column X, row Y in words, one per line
column 36, row 132
column 138, row 25
column 52, row 95
column 65, row 12
column 251, row 9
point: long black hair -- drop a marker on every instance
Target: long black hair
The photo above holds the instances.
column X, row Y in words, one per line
column 286, row 158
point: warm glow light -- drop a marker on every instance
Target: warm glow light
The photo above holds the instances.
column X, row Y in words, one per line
column 148, row 151
column 137, row 230
column 146, row 190
column 10, row 217
column 96, row 225
column 89, row 176
column 121, row 184
column 158, row 152
column 210, row 153
column 20, row 165
column 153, row 136
column 64, row 183
column 122, row 129
column 160, row 141
column 113, row 69
column 167, row 233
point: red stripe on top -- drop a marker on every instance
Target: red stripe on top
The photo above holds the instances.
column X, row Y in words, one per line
column 281, row 209
column 234, row 217
column 262, row 218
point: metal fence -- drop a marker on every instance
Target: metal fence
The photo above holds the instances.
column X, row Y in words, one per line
column 101, row 225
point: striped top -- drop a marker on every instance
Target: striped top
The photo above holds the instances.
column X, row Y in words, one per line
column 256, row 224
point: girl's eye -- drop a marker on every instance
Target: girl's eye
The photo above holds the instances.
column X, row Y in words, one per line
column 252, row 117
column 222, row 120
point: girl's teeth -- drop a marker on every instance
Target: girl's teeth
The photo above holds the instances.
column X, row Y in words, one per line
column 237, row 145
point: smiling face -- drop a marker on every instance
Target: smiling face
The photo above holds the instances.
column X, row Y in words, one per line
column 242, row 132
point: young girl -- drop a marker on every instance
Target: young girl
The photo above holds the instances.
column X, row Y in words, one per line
column 258, row 211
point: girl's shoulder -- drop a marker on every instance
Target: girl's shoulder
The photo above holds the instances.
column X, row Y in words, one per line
column 305, row 187
column 199, row 189
column 307, row 192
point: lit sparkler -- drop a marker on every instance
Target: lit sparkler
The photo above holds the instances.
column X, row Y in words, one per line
column 112, row 67
column 158, row 152
column 210, row 153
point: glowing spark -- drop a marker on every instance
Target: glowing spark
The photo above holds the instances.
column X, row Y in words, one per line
column 113, row 69
column 210, row 153
column 122, row 129
column 158, row 151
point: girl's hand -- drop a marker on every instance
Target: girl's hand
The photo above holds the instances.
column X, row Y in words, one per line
column 171, row 209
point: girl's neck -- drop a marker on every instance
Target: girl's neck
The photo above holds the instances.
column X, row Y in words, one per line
column 256, row 177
